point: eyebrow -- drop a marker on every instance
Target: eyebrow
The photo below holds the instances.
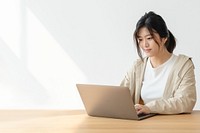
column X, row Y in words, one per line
column 145, row 35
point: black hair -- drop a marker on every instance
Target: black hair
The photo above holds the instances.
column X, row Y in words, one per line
column 155, row 24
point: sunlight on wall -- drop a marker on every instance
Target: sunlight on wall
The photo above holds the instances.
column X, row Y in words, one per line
column 18, row 87
column 10, row 24
column 52, row 67
column 35, row 71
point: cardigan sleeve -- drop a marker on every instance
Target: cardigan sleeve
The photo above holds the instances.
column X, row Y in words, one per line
column 182, row 99
column 128, row 80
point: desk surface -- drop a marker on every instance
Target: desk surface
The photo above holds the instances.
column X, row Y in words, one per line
column 77, row 121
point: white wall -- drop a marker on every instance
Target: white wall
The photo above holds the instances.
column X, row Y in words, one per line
column 47, row 46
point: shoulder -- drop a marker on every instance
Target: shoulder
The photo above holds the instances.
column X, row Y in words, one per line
column 183, row 57
column 184, row 61
column 138, row 65
column 140, row 62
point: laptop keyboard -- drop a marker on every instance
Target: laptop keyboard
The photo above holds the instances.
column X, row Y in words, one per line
column 142, row 114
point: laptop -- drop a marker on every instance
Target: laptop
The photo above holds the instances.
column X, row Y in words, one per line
column 109, row 101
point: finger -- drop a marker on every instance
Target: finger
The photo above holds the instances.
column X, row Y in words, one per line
column 137, row 107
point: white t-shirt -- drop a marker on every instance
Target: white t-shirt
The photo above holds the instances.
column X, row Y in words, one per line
column 155, row 79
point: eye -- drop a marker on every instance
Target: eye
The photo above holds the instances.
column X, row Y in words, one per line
column 139, row 39
column 149, row 38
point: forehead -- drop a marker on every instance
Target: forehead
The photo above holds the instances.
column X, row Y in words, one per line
column 143, row 32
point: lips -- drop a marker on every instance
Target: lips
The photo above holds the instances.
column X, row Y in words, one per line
column 147, row 50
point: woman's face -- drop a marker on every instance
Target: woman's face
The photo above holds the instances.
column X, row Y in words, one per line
column 148, row 44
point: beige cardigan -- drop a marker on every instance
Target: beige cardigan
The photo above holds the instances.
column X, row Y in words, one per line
column 180, row 91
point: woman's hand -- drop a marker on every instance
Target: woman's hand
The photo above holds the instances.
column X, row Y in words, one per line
column 142, row 109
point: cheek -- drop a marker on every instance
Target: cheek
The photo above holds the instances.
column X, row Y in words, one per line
column 141, row 46
column 157, row 49
column 155, row 44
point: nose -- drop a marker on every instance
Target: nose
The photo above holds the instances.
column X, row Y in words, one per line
column 146, row 44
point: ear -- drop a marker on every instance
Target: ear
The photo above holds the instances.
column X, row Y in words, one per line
column 164, row 40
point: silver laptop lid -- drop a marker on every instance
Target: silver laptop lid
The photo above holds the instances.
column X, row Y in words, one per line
column 107, row 101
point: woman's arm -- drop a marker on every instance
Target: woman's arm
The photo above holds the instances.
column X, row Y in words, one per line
column 182, row 99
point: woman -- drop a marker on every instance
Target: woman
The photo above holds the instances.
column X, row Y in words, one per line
column 161, row 82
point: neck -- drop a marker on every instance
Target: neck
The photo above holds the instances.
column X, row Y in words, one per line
column 159, row 60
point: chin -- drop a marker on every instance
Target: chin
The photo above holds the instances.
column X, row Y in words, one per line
column 148, row 55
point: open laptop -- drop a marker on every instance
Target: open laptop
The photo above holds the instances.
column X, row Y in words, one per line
column 108, row 101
